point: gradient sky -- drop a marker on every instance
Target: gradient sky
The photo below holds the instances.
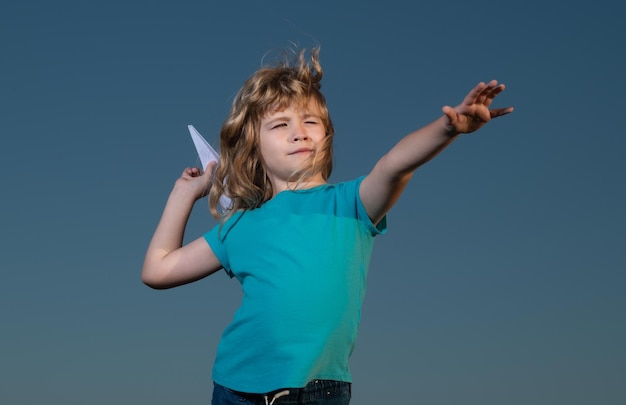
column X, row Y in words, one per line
column 501, row 279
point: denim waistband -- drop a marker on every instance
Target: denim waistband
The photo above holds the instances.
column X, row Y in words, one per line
column 316, row 389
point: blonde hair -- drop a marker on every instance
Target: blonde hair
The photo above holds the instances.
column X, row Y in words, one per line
column 240, row 173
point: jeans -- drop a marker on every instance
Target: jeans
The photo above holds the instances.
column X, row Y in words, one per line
column 317, row 392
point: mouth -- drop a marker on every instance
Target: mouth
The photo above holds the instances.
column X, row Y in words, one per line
column 301, row 150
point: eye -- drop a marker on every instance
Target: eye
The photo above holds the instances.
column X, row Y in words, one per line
column 311, row 122
column 279, row 125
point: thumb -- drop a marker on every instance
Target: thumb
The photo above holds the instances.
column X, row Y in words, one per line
column 209, row 169
column 207, row 178
column 450, row 113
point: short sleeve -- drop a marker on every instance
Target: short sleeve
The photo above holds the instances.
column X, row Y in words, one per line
column 216, row 241
column 377, row 229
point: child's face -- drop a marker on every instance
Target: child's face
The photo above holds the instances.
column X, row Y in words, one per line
column 287, row 139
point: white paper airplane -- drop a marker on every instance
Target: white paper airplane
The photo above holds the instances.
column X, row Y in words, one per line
column 207, row 155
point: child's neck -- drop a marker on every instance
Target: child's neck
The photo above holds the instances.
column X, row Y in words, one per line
column 300, row 185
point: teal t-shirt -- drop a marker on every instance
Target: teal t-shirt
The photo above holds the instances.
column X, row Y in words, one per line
column 302, row 261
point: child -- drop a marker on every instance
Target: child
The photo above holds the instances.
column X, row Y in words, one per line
column 299, row 246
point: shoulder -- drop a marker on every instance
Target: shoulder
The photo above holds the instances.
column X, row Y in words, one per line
column 344, row 187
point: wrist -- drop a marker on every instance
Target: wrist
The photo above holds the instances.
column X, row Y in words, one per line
column 183, row 195
column 447, row 128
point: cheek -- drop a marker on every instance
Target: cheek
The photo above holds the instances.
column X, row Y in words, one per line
column 262, row 143
column 267, row 150
column 320, row 135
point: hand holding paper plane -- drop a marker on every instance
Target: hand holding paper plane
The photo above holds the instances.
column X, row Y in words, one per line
column 207, row 154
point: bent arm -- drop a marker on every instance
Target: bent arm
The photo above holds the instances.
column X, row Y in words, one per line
column 168, row 263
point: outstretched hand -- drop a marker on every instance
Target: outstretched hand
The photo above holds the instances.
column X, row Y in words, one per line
column 474, row 111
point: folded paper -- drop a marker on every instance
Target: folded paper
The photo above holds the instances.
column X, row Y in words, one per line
column 207, row 155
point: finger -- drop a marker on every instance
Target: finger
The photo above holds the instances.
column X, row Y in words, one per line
column 483, row 97
column 188, row 172
column 191, row 172
column 492, row 94
column 498, row 112
column 473, row 95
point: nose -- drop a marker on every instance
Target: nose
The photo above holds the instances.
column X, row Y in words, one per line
column 298, row 133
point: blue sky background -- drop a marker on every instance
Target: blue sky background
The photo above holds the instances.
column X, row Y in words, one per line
column 501, row 278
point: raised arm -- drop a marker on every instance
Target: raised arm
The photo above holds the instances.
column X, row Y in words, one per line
column 382, row 187
column 168, row 263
